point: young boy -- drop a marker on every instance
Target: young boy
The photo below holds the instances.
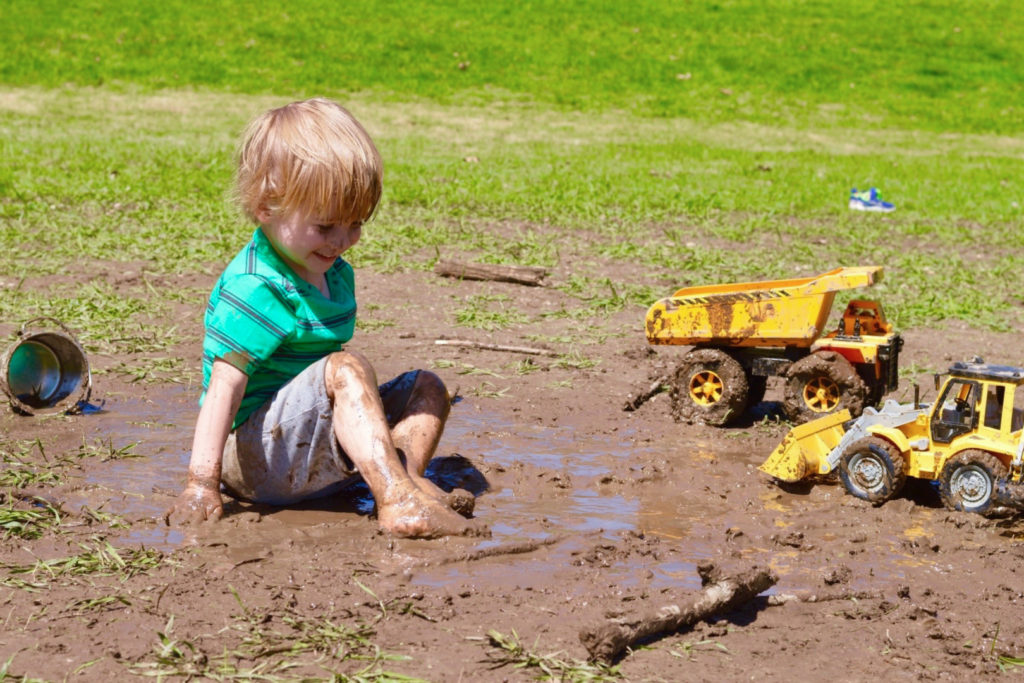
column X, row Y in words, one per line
column 286, row 414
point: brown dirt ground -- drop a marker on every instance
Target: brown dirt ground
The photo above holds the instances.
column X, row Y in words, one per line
column 619, row 507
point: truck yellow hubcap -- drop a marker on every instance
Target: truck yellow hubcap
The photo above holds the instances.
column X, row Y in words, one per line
column 706, row 388
column 821, row 395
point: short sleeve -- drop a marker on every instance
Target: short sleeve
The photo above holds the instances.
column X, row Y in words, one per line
column 248, row 319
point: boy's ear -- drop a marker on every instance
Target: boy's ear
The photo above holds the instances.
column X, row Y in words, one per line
column 263, row 213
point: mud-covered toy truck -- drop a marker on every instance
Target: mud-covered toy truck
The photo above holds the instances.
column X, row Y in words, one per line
column 969, row 441
column 744, row 333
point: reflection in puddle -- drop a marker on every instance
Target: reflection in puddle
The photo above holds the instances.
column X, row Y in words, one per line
column 917, row 530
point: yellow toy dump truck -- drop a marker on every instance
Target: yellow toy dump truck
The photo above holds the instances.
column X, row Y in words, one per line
column 744, row 333
column 969, row 440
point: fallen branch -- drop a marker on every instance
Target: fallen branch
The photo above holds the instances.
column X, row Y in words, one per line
column 495, row 347
column 532, row 276
column 656, row 388
column 607, row 641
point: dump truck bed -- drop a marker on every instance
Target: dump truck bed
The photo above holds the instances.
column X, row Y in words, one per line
column 768, row 313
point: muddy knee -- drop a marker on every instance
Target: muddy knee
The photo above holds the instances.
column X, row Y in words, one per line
column 431, row 391
column 348, row 370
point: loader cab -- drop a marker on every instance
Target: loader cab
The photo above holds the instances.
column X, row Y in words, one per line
column 956, row 411
column 1004, row 407
column 977, row 395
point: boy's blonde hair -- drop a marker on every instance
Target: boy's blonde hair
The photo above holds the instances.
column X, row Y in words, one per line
column 310, row 157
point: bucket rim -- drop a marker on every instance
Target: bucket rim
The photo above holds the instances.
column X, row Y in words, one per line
column 70, row 403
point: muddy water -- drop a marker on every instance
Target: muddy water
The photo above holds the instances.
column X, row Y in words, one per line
column 155, row 431
column 572, row 497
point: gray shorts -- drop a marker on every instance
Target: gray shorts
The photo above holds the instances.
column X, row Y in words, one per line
column 286, row 451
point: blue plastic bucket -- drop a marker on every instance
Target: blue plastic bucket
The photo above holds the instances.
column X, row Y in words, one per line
column 45, row 371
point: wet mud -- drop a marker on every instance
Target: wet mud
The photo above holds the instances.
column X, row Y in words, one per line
column 594, row 512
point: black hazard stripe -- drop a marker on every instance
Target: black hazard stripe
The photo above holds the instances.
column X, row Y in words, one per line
column 737, row 297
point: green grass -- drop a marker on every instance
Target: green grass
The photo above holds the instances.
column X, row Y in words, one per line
column 98, row 559
column 926, row 64
column 19, row 468
column 488, row 312
column 507, row 650
column 15, row 678
column 19, row 477
column 685, row 210
column 28, row 524
column 261, row 652
column 106, row 451
column 572, row 136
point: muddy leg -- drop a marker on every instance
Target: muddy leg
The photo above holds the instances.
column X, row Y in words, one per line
column 403, row 508
column 416, row 432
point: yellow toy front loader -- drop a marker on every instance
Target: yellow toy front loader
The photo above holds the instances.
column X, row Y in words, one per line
column 970, row 440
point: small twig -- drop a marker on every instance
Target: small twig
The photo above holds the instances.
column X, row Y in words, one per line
column 532, row 276
column 783, row 598
column 656, row 388
column 492, row 551
column 495, row 347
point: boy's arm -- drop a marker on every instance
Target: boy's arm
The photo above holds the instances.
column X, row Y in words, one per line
column 201, row 498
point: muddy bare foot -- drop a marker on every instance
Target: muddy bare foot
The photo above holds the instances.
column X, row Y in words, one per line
column 419, row 515
column 459, row 500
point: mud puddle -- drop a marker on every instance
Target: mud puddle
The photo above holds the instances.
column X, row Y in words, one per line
column 536, row 482
column 145, row 441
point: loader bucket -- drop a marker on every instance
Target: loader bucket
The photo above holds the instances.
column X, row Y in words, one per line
column 803, row 451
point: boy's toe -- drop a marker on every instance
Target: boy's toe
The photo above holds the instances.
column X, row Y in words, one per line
column 462, row 501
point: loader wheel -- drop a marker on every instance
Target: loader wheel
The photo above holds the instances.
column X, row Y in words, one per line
column 710, row 387
column 872, row 469
column 820, row 384
column 968, row 481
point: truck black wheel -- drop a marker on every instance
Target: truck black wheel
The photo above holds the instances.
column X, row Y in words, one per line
column 872, row 469
column 710, row 387
column 968, row 480
column 820, row 384
column 875, row 393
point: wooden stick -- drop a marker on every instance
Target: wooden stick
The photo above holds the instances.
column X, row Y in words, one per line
column 607, row 641
column 495, row 347
column 492, row 551
column 783, row 598
column 532, row 276
column 656, row 388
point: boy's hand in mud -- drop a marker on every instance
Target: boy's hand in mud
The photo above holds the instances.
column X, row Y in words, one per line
column 199, row 502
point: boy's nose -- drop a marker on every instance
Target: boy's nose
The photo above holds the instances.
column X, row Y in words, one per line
column 342, row 238
column 338, row 239
column 346, row 238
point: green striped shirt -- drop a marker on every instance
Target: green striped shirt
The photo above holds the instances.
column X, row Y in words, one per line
column 271, row 324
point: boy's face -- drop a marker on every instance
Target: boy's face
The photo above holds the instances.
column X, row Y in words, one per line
column 308, row 245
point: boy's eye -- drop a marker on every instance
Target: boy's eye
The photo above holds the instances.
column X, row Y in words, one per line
column 324, row 228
